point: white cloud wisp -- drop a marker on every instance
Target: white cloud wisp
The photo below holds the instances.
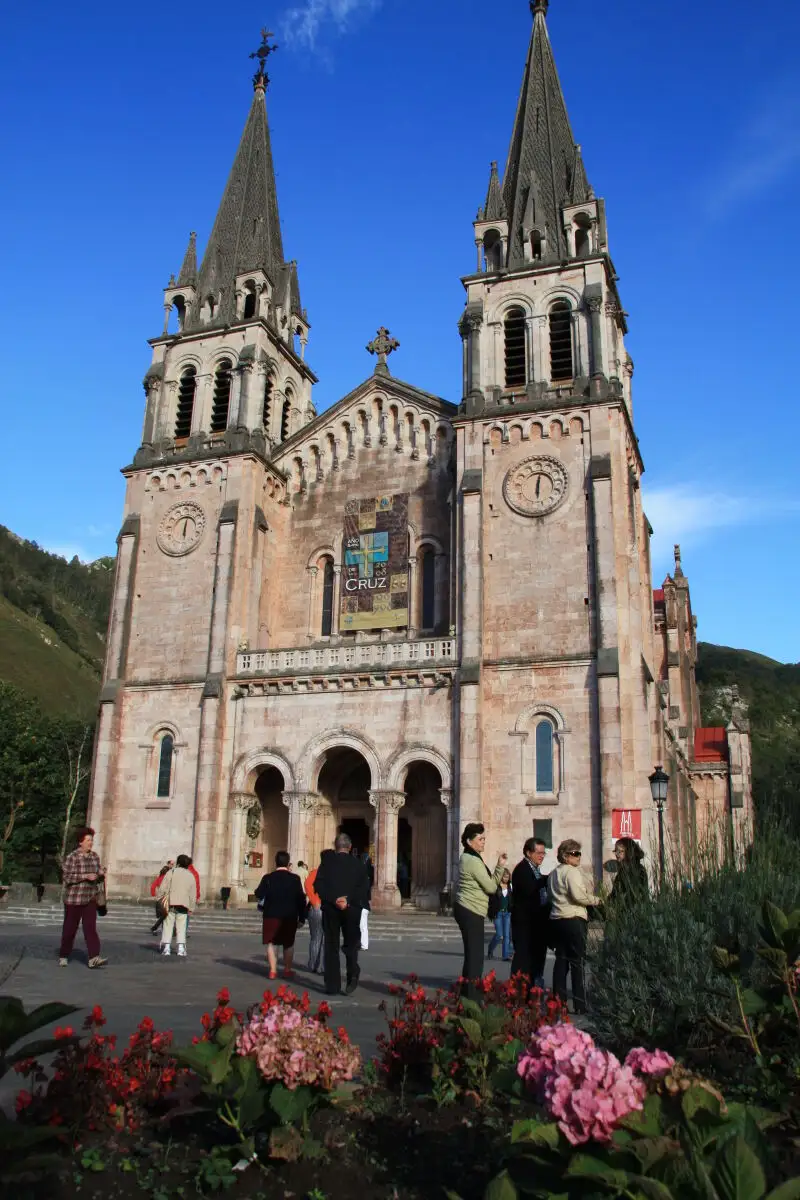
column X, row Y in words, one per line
column 304, row 22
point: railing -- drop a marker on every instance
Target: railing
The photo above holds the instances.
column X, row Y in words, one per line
column 368, row 656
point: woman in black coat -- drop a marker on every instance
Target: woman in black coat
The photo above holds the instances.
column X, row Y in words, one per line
column 630, row 881
column 283, row 904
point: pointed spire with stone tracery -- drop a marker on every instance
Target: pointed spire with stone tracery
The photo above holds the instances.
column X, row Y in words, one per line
column 188, row 273
column 543, row 154
column 247, row 230
column 494, row 209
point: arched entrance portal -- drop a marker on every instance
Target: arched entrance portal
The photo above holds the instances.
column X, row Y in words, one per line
column 344, row 787
column 422, row 837
column 267, row 826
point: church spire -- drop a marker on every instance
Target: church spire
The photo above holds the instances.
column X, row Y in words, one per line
column 494, row 209
column 188, row 274
column 544, row 171
column 247, row 230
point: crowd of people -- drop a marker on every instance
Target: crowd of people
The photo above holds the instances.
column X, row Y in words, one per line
column 532, row 911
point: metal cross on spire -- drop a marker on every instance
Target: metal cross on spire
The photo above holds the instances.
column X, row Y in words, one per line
column 382, row 345
column 261, row 78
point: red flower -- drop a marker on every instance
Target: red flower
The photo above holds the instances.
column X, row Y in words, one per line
column 24, row 1099
column 146, row 1024
column 63, row 1032
column 98, row 1017
column 223, row 996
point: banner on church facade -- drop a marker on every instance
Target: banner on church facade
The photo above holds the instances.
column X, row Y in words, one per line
column 626, row 822
column 375, row 563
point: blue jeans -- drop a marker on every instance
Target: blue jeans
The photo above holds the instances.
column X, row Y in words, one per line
column 502, row 933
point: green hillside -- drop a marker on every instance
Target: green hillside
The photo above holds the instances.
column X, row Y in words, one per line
column 53, row 618
column 772, row 692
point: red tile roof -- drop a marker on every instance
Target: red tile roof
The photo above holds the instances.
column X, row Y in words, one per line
column 710, row 745
column 658, row 595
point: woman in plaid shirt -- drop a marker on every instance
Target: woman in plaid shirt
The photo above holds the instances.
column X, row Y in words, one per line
column 82, row 875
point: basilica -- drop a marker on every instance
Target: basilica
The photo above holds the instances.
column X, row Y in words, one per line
column 471, row 632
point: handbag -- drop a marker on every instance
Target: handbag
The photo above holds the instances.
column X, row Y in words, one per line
column 162, row 907
column 101, row 899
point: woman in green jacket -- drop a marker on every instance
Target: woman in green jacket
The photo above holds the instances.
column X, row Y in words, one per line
column 476, row 883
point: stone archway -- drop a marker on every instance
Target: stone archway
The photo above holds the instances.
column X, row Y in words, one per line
column 266, row 826
column 423, row 836
column 344, row 787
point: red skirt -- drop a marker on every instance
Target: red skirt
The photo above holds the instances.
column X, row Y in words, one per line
column 280, row 931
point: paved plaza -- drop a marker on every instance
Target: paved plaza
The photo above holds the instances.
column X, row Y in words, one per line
column 175, row 992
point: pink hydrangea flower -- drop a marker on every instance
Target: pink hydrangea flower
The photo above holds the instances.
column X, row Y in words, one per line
column 586, row 1089
column 654, row 1064
column 297, row 1049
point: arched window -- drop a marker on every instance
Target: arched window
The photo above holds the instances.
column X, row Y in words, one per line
column 166, row 755
column 249, row 303
column 583, row 240
column 536, row 245
column 285, row 417
column 266, row 410
column 514, row 329
column 428, row 573
column 211, row 307
column 177, row 315
column 222, row 396
column 560, row 341
column 493, row 251
column 187, row 389
column 544, row 757
column 327, row 598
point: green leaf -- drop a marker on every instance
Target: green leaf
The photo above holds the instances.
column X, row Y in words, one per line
column 472, row 1029
column 501, row 1188
column 37, row 1048
column 776, row 922
column 586, row 1166
column 648, row 1121
column 540, row 1133
column 653, row 1189
column 699, row 1100
column 737, row 1173
column 723, row 960
column 221, row 1065
column 776, row 958
column 790, row 1190
column 15, row 1023
column 290, row 1106
column 753, row 1002
column 251, row 1095
column 198, row 1058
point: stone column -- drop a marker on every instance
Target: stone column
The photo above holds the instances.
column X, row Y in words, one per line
column 595, row 306
column 387, row 805
column 301, row 808
column 413, row 598
column 446, row 797
column 242, row 803
column 312, row 603
column 337, row 599
column 243, row 417
column 152, row 389
column 475, row 323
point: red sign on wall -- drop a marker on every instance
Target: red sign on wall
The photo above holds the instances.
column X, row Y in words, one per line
column 626, row 822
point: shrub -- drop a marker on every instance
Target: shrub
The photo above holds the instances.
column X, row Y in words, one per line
column 653, row 976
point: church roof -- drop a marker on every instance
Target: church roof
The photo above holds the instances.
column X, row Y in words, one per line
column 710, row 745
column 247, row 231
column 545, row 169
column 188, row 273
column 494, row 208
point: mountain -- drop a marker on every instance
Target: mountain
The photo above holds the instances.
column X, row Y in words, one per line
column 772, row 692
column 53, row 620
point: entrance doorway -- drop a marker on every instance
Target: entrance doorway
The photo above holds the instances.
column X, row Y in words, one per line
column 357, row 830
column 422, row 837
column 267, row 826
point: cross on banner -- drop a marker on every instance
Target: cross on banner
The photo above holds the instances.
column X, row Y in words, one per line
column 370, row 548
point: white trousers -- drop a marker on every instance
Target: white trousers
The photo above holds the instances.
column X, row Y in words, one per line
column 365, row 929
column 174, row 922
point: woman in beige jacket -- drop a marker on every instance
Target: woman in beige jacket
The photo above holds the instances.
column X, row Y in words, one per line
column 571, row 900
column 179, row 888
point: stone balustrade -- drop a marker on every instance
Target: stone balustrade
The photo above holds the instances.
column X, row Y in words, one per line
column 367, row 656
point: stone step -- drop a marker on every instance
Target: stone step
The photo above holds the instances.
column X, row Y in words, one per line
column 388, row 927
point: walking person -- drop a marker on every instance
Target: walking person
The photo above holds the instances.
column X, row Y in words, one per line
column 179, row 889
column 283, row 903
column 342, row 884
column 500, row 909
column 316, row 944
column 302, row 871
column 630, row 882
column 82, row 879
column 571, row 900
column 530, row 916
column 476, row 883
column 154, row 886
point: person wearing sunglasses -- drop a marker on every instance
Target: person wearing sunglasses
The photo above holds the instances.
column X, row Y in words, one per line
column 571, row 900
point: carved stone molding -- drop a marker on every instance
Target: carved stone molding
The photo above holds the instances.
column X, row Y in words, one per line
column 391, row 802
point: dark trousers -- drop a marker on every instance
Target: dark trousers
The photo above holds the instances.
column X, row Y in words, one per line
column 471, row 925
column 530, row 950
column 74, row 914
column 340, row 925
column 570, row 954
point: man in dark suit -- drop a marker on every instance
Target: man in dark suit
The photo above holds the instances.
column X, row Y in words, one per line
column 342, row 885
column 530, row 914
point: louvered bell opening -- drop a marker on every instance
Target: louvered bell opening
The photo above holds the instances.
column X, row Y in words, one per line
column 287, row 409
column 266, row 411
column 515, row 349
column 560, row 342
column 222, row 397
column 186, row 394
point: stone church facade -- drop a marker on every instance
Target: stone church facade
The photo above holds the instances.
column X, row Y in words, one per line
column 470, row 632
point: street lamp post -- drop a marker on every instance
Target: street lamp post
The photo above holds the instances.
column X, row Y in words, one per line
column 659, row 784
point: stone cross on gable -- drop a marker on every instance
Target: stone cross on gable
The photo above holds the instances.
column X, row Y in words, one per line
column 382, row 345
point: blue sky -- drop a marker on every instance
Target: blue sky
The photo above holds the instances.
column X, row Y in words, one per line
column 120, row 126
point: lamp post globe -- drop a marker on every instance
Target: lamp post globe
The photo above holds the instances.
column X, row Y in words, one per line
column 659, row 787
